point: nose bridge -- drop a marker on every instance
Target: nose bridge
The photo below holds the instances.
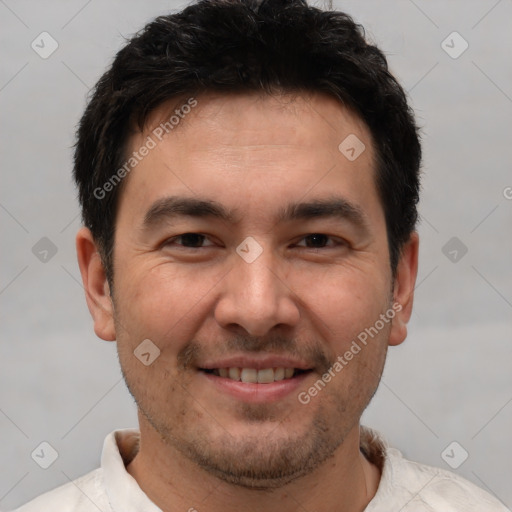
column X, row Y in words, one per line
column 256, row 282
column 254, row 296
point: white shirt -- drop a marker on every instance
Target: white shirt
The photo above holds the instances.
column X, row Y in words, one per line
column 404, row 486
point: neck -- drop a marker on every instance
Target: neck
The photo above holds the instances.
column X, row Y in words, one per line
column 344, row 483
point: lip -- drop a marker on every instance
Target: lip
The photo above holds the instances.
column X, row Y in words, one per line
column 252, row 392
column 258, row 363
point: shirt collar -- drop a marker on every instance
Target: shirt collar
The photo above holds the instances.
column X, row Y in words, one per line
column 123, row 491
column 125, row 495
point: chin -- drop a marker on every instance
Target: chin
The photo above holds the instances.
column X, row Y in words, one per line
column 261, row 456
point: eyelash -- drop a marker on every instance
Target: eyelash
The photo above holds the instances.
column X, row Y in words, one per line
column 338, row 243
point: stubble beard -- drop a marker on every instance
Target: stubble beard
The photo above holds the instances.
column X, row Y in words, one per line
column 260, row 462
column 256, row 462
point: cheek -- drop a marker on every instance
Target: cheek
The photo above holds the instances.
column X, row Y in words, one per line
column 163, row 302
column 345, row 299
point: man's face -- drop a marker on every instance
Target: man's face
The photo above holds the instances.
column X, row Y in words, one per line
column 209, row 307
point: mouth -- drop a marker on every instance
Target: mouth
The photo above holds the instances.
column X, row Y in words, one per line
column 256, row 378
column 263, row 385
column 255, row 375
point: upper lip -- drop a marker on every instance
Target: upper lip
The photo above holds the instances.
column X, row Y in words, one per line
column 258, row 363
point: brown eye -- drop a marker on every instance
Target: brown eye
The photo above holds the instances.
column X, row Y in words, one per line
column 316, row 240
column 319, row 241
column 188, row 240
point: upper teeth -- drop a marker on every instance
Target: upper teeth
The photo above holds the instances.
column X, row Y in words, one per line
column 263, row 376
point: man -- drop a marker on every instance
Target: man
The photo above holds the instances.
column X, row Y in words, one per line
column 248, row 176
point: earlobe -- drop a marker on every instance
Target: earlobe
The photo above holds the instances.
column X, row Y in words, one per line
column 97, row 291
column 403, row 291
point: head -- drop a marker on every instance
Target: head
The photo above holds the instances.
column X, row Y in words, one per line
column 236, row 119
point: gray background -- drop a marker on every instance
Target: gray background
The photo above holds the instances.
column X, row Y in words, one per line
column 450, row 381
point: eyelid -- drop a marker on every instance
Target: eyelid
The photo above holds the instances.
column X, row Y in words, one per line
column 338, row 241
column 173, row 238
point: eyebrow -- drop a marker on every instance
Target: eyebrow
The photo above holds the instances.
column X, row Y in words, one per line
column 171, row 207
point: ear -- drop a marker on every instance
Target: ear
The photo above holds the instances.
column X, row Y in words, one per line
column 403, row 289
column 97, row 291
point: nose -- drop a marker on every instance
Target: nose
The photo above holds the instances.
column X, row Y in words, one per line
column 257, row 297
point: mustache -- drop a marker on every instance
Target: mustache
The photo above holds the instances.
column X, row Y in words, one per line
column 194, row 351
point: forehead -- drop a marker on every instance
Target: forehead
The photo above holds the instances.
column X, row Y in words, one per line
column 271, row 146
column 312, row 120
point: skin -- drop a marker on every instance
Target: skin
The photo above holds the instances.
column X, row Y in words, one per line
column 201, row 447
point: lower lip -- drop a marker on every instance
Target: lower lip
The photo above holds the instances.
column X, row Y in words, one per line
column 256, row 393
